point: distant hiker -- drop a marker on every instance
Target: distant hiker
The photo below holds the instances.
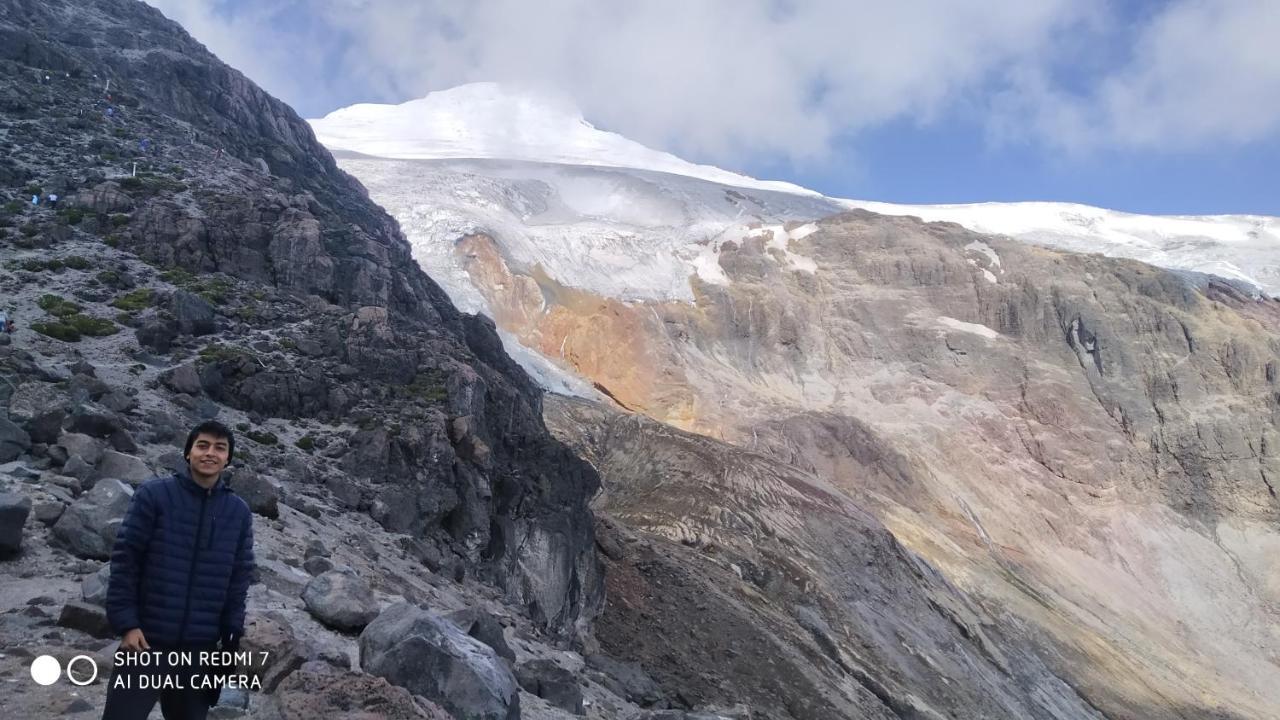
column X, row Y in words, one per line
column 53, row 200
column 6, row 323
column 35, row 199
column 110, row 111
column 144, row 144
column 218, row 155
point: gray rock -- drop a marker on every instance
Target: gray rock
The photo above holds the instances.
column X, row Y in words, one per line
column 88, row 527
column 46, row 426
column 87, row 448
column 260, row 493
column 274, row 647
column 49, row 512
column 193, row 314
column 104, row 197
column 76, row 467
column 120, row 401
column 184, row 379
column 157, row 334
column 95, row 420
column 14, row 441
column 429, row 656
column 340, row 600
column 87, row 618
column 94, row 587
column 317, row 565
column 14, row 509
column 484, row 627
column 33, row 399
column 551, row 683
column 117, row 465
column 626, row 679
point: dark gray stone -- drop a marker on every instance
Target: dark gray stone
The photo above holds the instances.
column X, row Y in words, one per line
column 14, row 441
column 484, row 627
column 551, row 683
column 88, row 527
column 192, row 313
column 317, row 565
column 14, row 509
column 87, row 618
column 117, row 465
column 260, row 493
column 184, row 379
column 87, row 448
column 429, row 656
column 49, row 512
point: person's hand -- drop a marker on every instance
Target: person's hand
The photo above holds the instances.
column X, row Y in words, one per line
column 134, row 641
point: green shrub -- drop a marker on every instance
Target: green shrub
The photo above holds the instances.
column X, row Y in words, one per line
column 306, row 442
column 33, row 189
column 111, row 241
column 92, row 326
column 139, row 299
column 262, row 437
column 125, row 318
column 75, row 262
column 30, row 230
column 242, row 427
column 73, row 216
column 13, row 207
column 57, row 330
column 33, row 265
column 119, row 219
column 177, row 276
column 55, row 305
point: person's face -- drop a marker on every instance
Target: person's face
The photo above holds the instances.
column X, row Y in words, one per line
column 208, row 456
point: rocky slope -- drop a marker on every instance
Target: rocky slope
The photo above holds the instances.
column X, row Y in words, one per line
column 239, row 274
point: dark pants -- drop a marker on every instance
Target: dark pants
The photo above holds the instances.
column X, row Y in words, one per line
column 135, row 687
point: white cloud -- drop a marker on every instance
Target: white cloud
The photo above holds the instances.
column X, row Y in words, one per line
column 729, row 80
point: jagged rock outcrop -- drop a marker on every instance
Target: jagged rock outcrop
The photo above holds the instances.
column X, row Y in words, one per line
column 383, row 342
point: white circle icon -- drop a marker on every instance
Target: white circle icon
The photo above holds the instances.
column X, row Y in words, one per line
column 45, row 670
column 92, row 664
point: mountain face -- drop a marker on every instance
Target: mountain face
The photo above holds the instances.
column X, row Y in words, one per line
column 966, row 474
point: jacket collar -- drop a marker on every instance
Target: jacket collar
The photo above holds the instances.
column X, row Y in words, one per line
column 186, row 481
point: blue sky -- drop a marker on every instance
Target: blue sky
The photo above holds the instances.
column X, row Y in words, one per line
column 1166, row 107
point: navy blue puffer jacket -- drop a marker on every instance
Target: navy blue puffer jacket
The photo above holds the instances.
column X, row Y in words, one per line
column 181, row 564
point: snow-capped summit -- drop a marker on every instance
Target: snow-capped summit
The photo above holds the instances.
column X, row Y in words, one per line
column 493, row 121
column 488, row 121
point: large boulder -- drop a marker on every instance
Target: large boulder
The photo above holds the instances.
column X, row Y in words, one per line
column 87, row 618
column 430, row 656
column 318, row 690
column 117, row 465
column 14, row 509
column 484, row 627
column 261, row 495
column 274, row 648
column 106, row 197
column 341, row 600
column 552, row 683
column 14, row 441
column 87, row 448
column 88, row 528
column 192, row 313
column 184, row 379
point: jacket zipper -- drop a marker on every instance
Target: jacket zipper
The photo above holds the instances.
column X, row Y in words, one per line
column 191, row 573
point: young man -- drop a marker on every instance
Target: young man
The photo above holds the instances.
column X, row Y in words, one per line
column 180, row 571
